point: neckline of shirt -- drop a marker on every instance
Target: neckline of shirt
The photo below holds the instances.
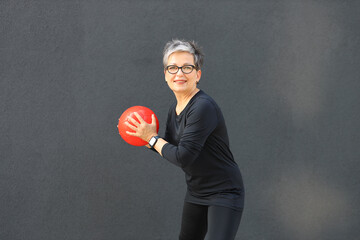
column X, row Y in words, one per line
column 187, row 105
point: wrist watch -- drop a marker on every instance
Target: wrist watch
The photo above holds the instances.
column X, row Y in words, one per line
column 153, row 141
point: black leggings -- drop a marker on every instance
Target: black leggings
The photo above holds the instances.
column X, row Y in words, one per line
column 220, row 223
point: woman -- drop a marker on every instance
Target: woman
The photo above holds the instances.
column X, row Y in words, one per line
column 196, row 140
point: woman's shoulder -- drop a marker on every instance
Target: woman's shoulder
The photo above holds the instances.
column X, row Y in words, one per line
column 172, row 108
column 173, row 105
column 203, row 104
column 203, row 99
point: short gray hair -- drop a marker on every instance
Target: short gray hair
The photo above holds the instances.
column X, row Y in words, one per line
column 177, row 45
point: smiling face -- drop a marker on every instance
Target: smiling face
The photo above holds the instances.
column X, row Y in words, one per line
column 181, row 83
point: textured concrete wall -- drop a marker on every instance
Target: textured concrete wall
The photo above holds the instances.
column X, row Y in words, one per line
column 285, row 73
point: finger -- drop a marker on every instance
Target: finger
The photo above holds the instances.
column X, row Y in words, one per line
column 131, row 133
column 139, row 117
column 153, row 119
column 133, row 121
column 131, row 126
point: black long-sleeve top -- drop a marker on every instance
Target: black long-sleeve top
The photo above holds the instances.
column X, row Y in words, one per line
column 198, row 143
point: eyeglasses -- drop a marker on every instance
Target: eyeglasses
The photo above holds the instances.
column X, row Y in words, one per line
column 173, row 69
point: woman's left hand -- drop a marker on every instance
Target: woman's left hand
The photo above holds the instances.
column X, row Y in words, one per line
column 142, row 129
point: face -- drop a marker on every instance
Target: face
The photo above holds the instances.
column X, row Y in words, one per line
column 180, row 82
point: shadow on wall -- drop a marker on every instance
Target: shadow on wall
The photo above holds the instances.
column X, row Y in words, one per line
column 307, row 202
column 307, row 205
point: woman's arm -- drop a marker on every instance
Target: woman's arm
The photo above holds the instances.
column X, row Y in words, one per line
column 201, row 120
column 200, row 123
column 159, row 145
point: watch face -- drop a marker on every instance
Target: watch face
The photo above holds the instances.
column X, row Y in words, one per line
column 152, row 141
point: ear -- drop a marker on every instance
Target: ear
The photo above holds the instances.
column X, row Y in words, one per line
column 198, row 75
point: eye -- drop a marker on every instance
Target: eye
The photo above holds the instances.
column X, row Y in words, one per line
column 187, row 68
column 172, row 68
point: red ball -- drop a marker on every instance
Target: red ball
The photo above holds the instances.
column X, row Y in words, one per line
column 145, row 113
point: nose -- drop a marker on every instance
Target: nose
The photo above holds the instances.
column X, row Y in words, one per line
column 180, row 72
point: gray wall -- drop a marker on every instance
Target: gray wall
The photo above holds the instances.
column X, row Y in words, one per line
column 285, row 73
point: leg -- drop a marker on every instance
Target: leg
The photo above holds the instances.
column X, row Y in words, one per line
column 194, row 222
column 223, row 223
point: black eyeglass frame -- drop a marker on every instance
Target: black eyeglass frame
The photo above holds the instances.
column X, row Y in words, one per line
column 167, row 68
